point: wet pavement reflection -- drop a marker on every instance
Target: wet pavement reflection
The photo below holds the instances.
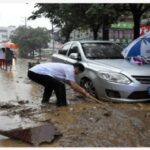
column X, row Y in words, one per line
column 15, row 84
column 82, row 124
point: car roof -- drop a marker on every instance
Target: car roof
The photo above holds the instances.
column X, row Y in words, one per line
column 90, row 41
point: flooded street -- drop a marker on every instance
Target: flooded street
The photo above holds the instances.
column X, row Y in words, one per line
column 15, row 83
column 82, row 124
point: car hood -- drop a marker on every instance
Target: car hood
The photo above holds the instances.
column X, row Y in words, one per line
column 120, row 65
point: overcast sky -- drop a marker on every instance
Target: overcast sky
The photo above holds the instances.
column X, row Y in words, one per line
column 14, row 13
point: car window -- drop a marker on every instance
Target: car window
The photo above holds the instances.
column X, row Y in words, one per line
column 102, row 50
column 73, row 49
column 64, row 49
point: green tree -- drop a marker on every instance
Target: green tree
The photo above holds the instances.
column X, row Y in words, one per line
column 91, row 19
column 137, row 11
column 65, row 16
column 72, row 16
column 30, row 39
column 101, row 15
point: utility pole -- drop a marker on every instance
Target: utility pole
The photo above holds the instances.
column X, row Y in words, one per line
column 52, row 36
column 26, row 15
column 25, row 21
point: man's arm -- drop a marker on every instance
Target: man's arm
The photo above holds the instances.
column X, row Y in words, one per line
column 79, row 89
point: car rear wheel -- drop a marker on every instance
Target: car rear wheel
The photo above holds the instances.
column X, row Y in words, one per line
column 88, row 86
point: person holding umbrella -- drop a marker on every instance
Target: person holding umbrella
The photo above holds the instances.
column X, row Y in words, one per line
column 10, row 53
column 2, row 57
column 138, row 51
column 8, row 58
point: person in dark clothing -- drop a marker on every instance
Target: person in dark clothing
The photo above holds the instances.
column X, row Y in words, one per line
column 53, row 76
column 8, row 58
column 2, row 58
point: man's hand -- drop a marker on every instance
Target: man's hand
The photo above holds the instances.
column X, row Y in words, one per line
column 78, row 88
column 81, row 90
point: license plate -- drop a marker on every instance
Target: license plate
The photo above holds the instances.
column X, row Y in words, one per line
column 148, row 90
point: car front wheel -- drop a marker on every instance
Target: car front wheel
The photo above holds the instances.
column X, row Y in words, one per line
column 88, row 86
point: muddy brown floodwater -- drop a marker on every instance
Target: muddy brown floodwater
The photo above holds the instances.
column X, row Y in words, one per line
column 82, row 124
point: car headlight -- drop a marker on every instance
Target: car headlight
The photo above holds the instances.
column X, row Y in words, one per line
column 114, row 77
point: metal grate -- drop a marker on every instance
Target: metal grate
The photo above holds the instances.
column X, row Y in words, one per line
column 139, row 95
column 142, row 79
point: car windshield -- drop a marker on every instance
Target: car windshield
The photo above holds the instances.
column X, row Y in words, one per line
column 102, row 51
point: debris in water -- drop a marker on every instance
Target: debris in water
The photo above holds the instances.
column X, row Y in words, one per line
column 71, row 109
column 107, row 113
column 35, row 135
column 23, row 102
column 7, row 105
column 147, row 115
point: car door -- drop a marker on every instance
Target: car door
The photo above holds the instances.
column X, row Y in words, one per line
column 61, row 56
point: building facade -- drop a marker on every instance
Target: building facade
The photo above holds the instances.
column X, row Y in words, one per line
column 121, row 32
column 5, row 33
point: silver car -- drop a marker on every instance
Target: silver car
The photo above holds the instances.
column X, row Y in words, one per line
column 108, row 75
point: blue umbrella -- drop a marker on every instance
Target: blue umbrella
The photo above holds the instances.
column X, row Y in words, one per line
column 138, row 47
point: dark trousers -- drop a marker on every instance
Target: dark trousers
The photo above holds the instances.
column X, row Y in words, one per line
column 50, row 84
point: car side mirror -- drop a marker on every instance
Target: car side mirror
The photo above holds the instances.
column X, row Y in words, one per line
column 74, row 56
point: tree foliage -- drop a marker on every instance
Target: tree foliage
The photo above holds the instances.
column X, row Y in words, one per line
column 30, row 39
column 101, row 15
column 72, row 16
column 65, row 16
column 91, row 15
column 136, row 11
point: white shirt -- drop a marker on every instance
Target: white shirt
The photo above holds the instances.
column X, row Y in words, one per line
column 2, row 54
column 56, row 70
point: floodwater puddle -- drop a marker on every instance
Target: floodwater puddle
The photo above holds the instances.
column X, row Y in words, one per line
column 15, row 121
